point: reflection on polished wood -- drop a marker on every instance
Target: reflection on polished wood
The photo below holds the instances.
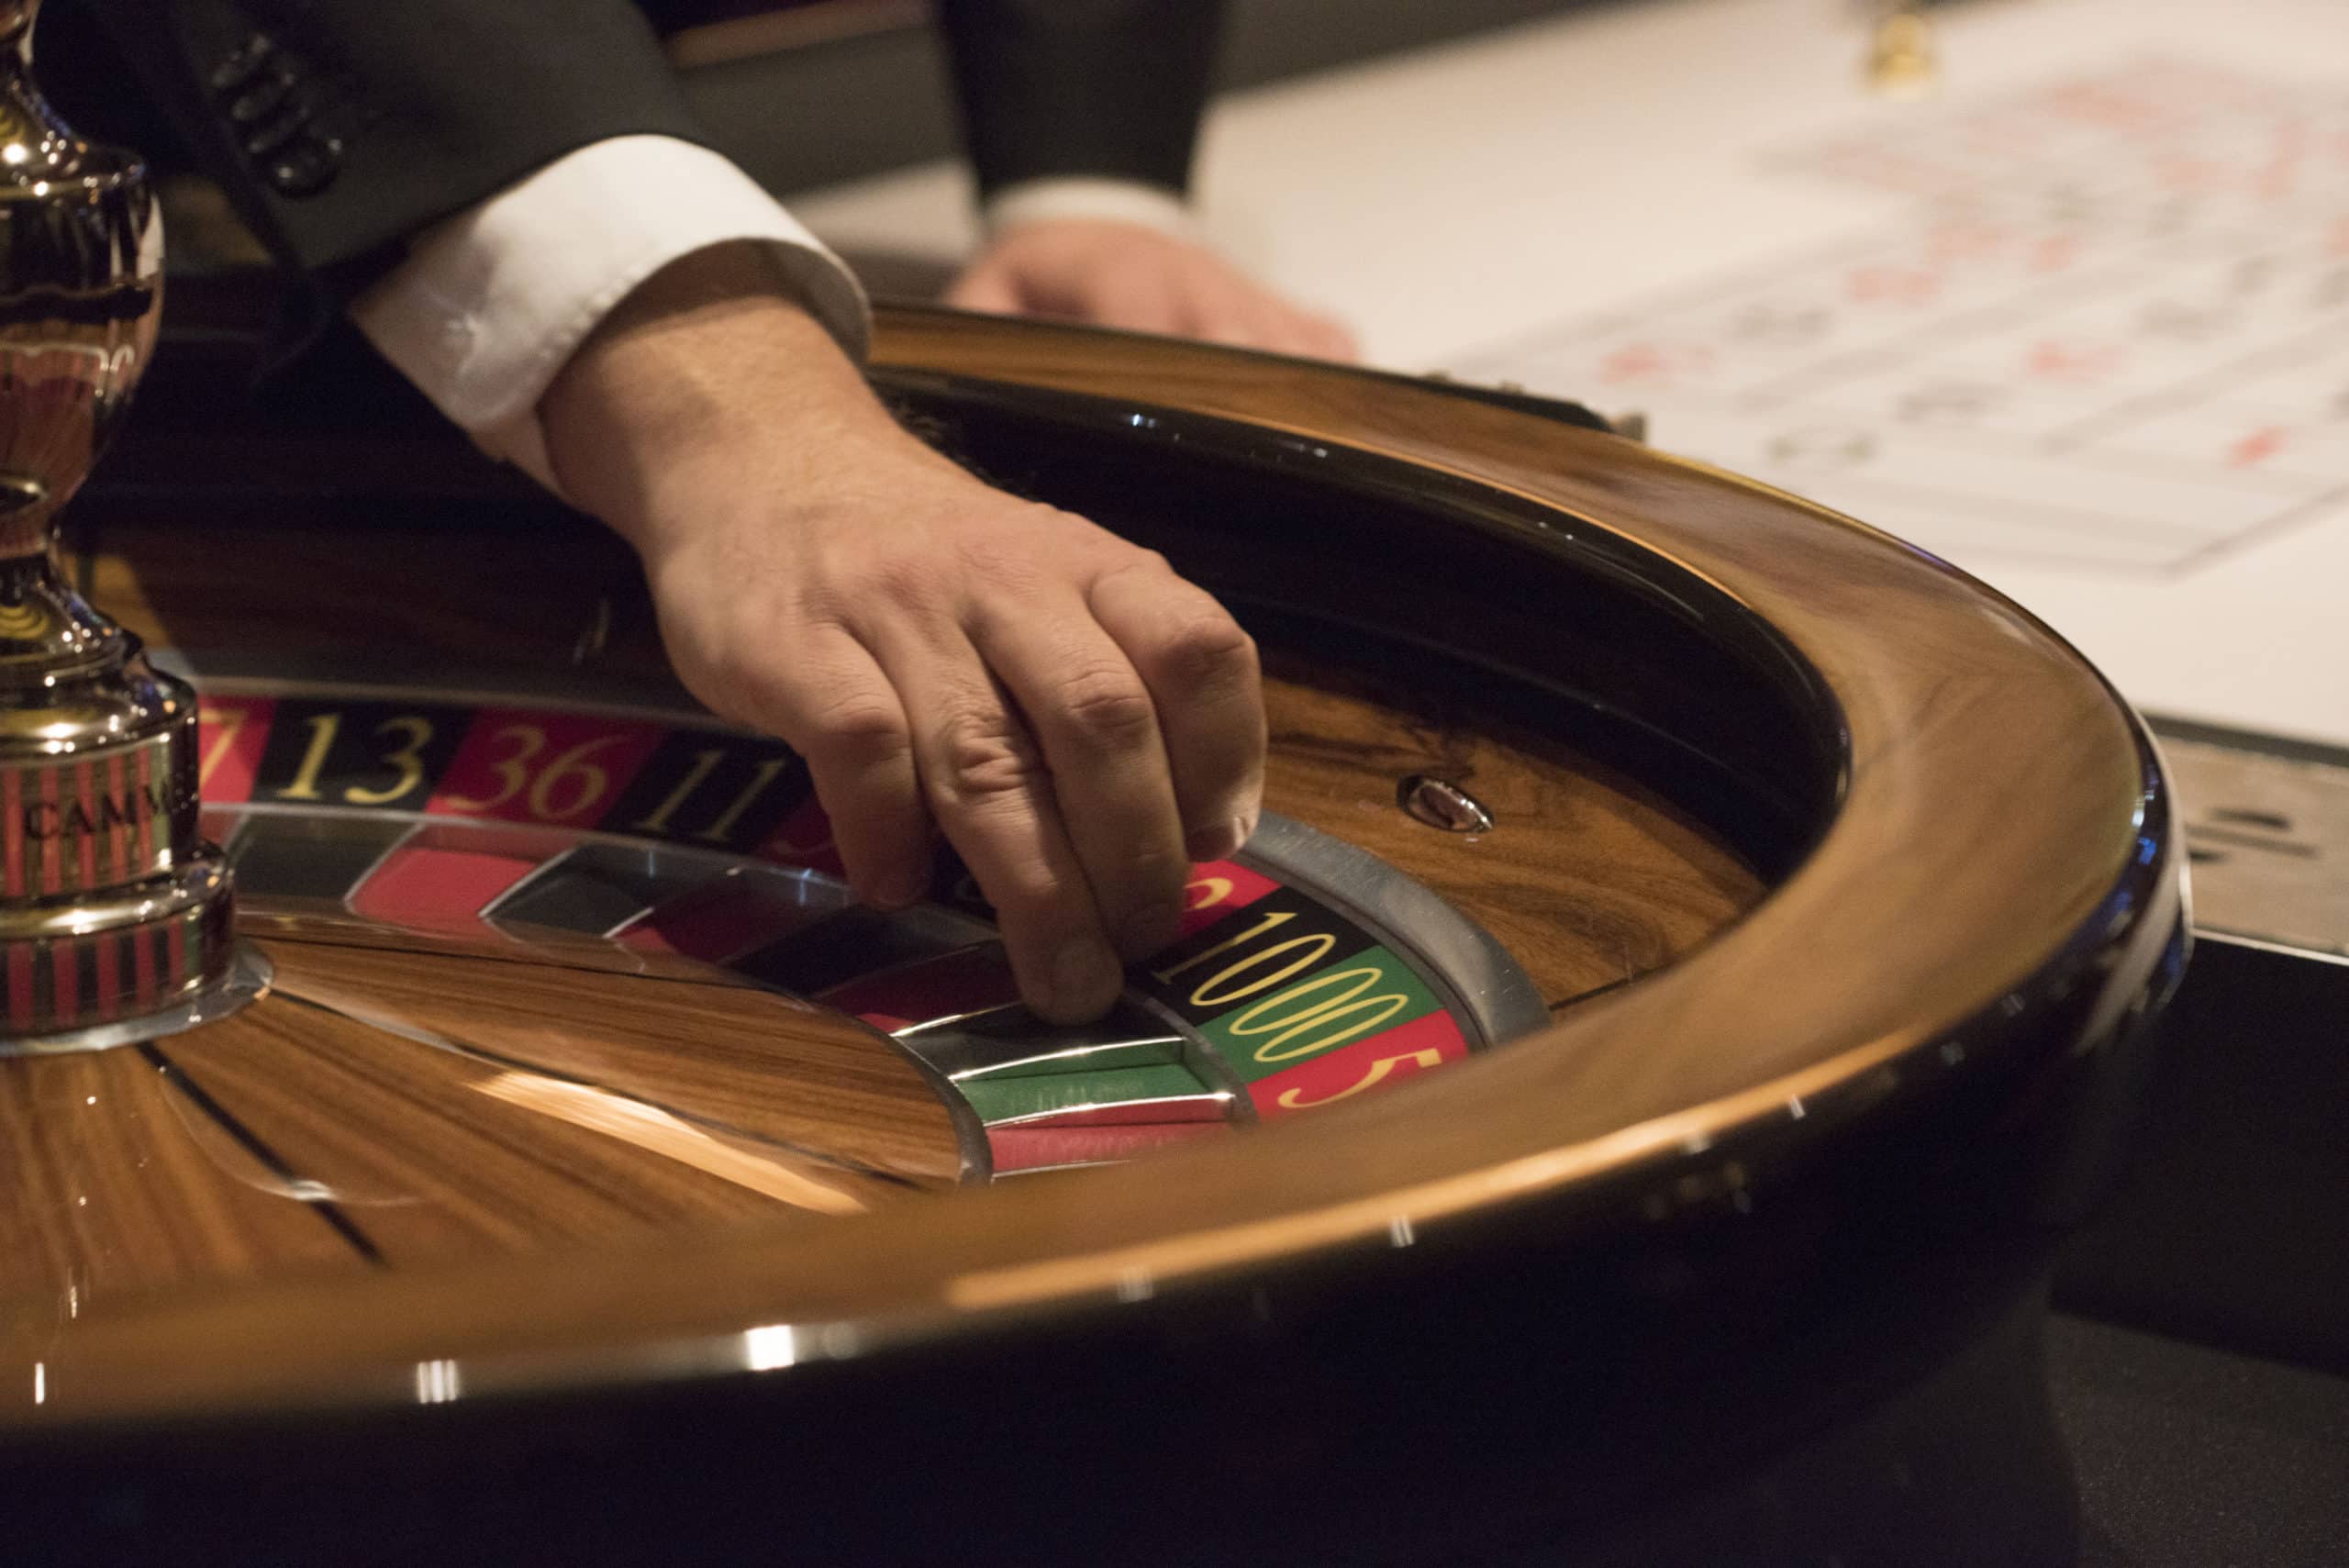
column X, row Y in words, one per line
column 1992, row 849
column 424, row 1098
column 116, row 1182
column 1586, row 878
column 716, row 1048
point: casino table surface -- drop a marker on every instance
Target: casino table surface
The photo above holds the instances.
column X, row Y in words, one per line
column 1621, row 1104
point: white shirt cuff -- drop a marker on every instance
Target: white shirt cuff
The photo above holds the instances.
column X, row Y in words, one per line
column 1098, row 200
column 490, row 304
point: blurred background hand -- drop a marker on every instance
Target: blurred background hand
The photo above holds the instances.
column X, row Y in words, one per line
column 1133, row 276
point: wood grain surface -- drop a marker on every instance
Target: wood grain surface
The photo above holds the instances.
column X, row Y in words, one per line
column 698, row 1041
column 1587, row 879
column 400, row 1097
column 117, row 1183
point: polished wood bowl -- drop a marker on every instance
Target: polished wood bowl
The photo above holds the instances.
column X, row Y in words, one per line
column 1842, row 879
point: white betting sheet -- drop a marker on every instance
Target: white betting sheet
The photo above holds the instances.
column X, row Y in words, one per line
column 2077, row 321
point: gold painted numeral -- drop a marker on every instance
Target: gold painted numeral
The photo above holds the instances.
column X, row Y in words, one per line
column 591, row 782
column 513, row 769
column 324, row 727
column 1206, row 893
column 768, row 770
column 1295, row 1100
column 587, row 781
column 1215, row 991
column 1268, row 1015
column 705, row 763
column 407, row 759
column 657, row 819
column 227, row 724
column 1278, row 918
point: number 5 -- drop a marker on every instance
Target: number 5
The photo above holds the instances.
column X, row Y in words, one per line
column 1294, row 1100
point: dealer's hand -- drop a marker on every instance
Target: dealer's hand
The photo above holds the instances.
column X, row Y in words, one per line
column 1126, row 274
column 1081, row 723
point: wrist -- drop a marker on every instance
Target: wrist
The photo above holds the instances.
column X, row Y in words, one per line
column 1088, row 199
column 703, row 365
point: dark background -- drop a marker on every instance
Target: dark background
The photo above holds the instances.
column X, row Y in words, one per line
column 861, row 86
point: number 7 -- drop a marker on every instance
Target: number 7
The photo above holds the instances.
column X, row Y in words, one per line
column 227, row 724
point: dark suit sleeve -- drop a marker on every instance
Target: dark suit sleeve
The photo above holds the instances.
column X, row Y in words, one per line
column 1099, row 87
column 339, row 127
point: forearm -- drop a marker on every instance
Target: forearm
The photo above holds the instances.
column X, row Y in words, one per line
column 715, row 359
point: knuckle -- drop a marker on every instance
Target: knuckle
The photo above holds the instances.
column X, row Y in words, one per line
column 1206, row 650
column 861, row 726
column 1135, row 558
column 1107, row 709
column 741, row 691
column 986, row 756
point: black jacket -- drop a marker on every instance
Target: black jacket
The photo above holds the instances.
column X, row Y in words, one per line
column 339, row 127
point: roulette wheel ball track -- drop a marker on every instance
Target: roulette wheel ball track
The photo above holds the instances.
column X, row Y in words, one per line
column 1825, row 888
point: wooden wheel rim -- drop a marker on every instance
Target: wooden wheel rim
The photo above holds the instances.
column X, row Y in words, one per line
column 2002, row 847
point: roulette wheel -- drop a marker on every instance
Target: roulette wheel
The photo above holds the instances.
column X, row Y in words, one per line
column 1617, row 1110
column 1686, row 984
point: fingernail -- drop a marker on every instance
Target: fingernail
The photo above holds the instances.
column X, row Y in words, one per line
column 1216, row 843
column 1085, row 979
